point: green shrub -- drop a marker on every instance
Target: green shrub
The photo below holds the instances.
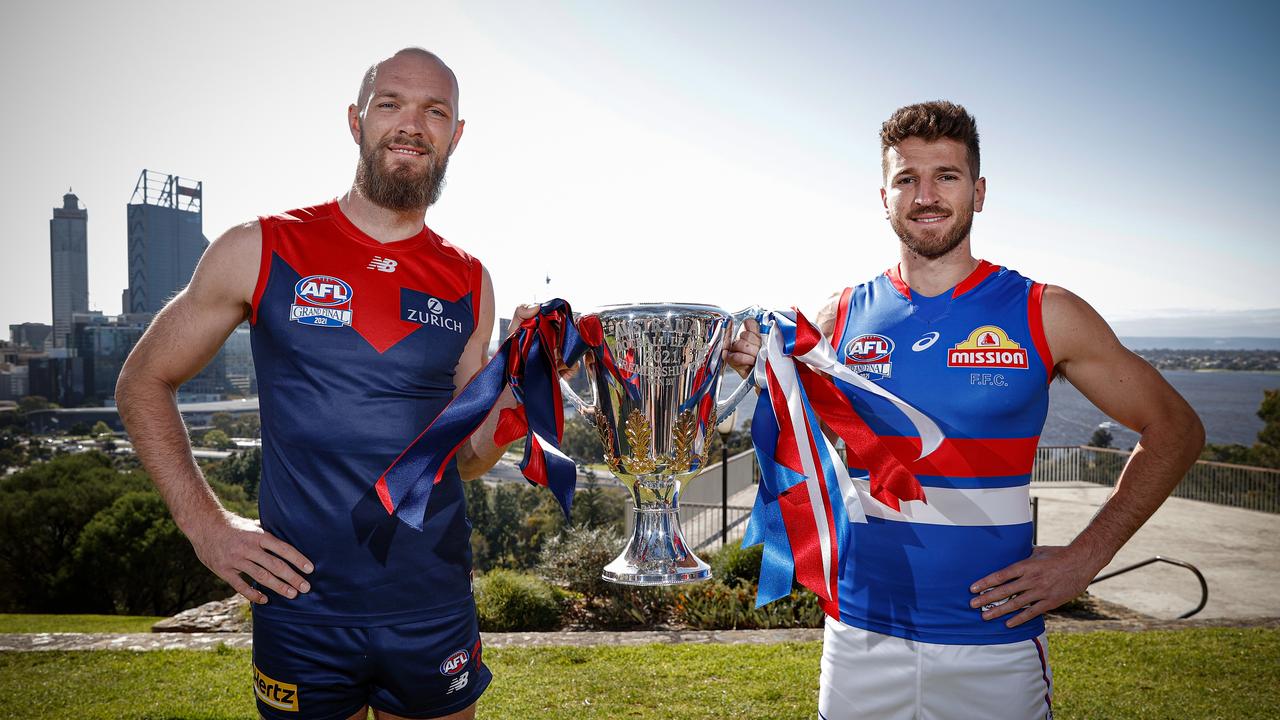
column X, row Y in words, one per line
column 733, row 564
column 574, row 559
column 717, row 606
column 508, row 601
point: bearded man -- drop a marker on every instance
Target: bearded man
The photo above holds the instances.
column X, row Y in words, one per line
column 365, row 324
column 940, row 603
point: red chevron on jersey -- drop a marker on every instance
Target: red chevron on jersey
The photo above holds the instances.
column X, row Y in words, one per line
column 347, row 283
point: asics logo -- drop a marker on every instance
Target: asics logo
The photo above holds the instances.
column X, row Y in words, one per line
column 382, row 264
column 926, row 342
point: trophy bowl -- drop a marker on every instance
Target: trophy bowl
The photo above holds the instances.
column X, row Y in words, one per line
column 654, row 381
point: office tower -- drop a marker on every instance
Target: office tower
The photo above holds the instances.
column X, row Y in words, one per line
column 166, row 239
column 103, row 343
column 69, row 265
column 30, row 336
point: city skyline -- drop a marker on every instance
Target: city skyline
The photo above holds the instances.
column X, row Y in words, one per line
column 703, row 144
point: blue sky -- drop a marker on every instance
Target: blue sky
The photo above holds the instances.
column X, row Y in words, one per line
column 712, row 152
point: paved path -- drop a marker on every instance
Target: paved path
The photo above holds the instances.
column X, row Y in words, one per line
column 1238, row 551
column 24, row 642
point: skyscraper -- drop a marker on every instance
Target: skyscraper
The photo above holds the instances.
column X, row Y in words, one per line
column 166, row 239
column 69, row 265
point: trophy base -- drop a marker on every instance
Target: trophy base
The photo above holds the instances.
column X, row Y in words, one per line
column 656, row 553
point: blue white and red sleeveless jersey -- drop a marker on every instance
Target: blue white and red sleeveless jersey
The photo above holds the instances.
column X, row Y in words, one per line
column 355, row 343
column 975, row 360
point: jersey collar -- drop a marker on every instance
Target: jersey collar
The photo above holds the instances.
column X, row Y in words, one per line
column 975, row 278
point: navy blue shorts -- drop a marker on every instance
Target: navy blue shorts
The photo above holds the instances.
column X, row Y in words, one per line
column 422, row 669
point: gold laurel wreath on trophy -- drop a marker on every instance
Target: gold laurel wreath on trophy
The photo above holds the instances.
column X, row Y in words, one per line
column 606, row 439
column 682, row 443
column 639, row 460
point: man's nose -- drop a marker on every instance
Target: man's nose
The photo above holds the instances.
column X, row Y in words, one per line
column 412, row 124
column 926, row 192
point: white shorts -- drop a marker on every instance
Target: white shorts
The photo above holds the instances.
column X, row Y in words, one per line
column 869, row 676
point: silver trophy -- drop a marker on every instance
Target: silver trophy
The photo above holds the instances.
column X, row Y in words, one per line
column 654, row 383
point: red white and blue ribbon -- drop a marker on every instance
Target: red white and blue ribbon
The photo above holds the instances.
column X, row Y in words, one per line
column 805, row 500
column 528, row 362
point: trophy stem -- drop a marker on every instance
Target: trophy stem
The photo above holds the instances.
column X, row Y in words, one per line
column 656, row 553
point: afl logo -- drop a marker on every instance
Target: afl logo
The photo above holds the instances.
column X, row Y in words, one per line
column 321, row 301
column 322, row 290
column 869, row 356
column 868, row 349
column 454, row 663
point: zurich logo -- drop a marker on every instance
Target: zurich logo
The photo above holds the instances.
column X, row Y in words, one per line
column 435, row 306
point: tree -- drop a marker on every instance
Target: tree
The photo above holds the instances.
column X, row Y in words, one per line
column 43, row 510
column 581, row 441
column 135, row 557
column 1101, row 438
column 481, row 516
column 49, row 564
column 218, row 439
column 595, row 506
column 1266, row 451
column 100, row 428
column 225, row 422
column 242, row 469
column 31, row 403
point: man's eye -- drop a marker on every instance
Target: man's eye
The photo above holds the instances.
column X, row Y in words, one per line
column 905, row 180
column 949, row 177
column 437, row 112
column 386, row 105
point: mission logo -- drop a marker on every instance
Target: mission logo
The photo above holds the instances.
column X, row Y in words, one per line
column 869, row 356
column 987, row 347
column 322, row 301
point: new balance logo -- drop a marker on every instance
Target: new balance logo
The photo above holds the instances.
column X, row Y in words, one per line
column 458, row 683
column 382, row 264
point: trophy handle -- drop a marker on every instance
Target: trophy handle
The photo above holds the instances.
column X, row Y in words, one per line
column 582, row 405
column 728, row 405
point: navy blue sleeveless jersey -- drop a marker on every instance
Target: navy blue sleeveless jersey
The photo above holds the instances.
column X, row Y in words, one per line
column 355, row 344
column 975, row 360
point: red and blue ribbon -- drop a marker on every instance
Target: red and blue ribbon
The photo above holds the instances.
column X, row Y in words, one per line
column 528, row 362
column 806, row 500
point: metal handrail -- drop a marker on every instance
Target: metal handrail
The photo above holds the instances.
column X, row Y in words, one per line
column 1204, row 586
column 708, row 542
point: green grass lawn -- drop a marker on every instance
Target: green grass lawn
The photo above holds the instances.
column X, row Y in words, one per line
column 1205, row 673
column 76, row 623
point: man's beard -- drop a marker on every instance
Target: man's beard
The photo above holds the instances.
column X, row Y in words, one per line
column 399, row 188
column 928, row 247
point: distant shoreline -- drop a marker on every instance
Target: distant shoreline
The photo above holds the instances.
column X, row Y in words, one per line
column 1224, row 370
column 1174, row 342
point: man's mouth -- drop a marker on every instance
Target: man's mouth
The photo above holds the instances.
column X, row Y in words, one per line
column 929, row 219
column 407, row 150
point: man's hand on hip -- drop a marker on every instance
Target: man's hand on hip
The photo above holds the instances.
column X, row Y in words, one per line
column 232, row 547
column 1050, row 577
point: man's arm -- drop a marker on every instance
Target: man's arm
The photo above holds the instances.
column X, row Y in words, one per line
column 479, row 453
column 180, row 341
column 1129, row 390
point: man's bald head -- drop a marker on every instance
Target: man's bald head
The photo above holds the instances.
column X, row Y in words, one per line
column 404, row 56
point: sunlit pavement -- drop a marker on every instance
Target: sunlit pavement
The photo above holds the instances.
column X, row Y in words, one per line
column 1238, row 551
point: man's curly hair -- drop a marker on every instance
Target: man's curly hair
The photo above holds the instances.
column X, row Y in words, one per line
column 931, row 121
